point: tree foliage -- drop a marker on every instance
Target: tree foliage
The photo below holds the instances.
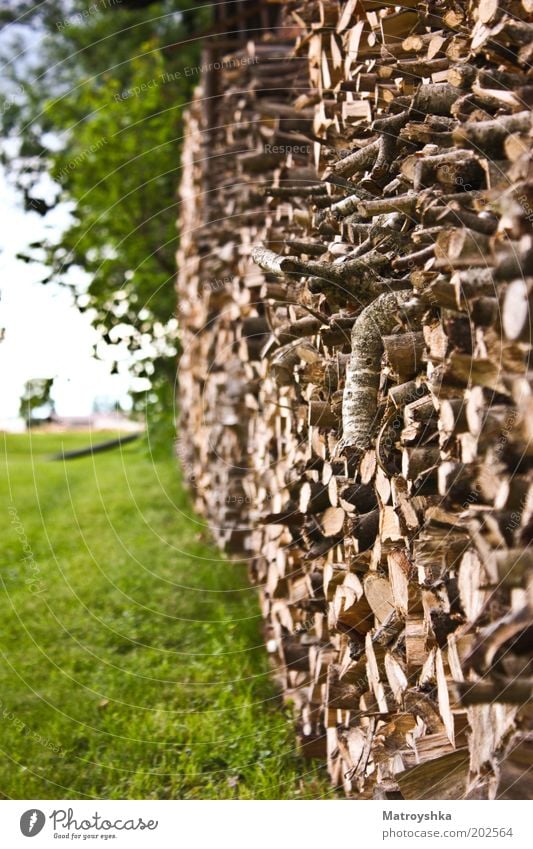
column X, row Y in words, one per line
column 98, row 109
column 37, row 394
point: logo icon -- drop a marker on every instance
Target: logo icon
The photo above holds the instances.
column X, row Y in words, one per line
column 32, row 822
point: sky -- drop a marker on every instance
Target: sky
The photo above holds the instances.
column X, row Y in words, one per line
column 45, row 334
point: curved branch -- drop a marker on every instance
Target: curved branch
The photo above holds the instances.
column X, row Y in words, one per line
column 359, row 403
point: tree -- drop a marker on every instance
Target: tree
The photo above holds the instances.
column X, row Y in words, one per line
column 37, row 395
column 102, row 117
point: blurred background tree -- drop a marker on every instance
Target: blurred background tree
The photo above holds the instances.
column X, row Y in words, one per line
column 37, row 397
column 91, row 118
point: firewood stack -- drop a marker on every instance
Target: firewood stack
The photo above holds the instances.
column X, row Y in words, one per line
column 355, row 284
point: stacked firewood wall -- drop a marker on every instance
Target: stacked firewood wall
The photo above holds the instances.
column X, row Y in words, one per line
column 355, row 284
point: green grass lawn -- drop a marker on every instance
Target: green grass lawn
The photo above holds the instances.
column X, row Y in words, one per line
column 131, row 658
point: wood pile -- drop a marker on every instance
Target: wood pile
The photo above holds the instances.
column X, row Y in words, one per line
column 355, row 289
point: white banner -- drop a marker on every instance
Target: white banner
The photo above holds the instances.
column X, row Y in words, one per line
column 267, row 825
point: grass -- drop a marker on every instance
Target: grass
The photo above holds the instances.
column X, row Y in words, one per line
column 132, row 663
